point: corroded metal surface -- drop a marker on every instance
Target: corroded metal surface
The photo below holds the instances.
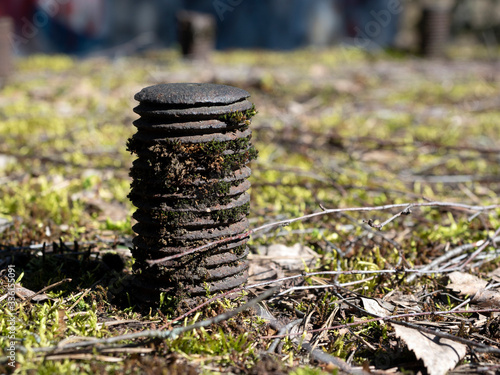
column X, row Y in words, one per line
column 434, row 30
column 196, row 34
column 6, row 31
column 189, row 185
column 190, row 94
column 191, row 113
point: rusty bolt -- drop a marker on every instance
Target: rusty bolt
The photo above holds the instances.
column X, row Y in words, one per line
column 196, row 34
column 190, row 188
column 6, row 30
column 434, row 30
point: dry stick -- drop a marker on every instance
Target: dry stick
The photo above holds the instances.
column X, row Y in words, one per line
column 448, row 255
column 390, row 318
column 369, row 227
column 305, row 274
column 481, row 248
column 321, row 356
column 352, row 272
column 200, row 248
column 46, row 288
column 159, row 334
column 79, row 299
column 406, row 211
column 283, row 331
column 236, row 290
column 283, row 223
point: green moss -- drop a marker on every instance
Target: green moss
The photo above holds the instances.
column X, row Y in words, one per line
column 175, row 171
column 239, row 117
column 337, row 127
column 173, row 219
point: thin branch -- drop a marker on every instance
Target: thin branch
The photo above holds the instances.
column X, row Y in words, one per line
column 486, row 243
column 207, row 302
column 283, row 223
column 160, row 334
column 376, row 208
column 368, row 226
column 449, row 255
column 201, row 248
column 283, row 332
column 48, row 287
column 481, row 347
column 321, row 356
column 406, row 211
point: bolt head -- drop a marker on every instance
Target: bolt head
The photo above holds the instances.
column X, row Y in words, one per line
column 190, row 94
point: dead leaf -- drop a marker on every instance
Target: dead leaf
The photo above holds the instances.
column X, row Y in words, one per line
column 377, row 307
column 438, row 354
column 61, row 315
column 467, row 284
column 487, row 299
column 259, row 273
column 495, row 275
column 25, row 293
column 288, row 257
column 406, row 301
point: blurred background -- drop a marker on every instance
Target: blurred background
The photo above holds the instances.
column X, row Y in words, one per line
column 350, row 114
column 83, row 27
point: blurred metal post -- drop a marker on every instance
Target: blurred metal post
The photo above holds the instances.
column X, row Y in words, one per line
column 6, row 29
column 434, row 30
column 196, row 34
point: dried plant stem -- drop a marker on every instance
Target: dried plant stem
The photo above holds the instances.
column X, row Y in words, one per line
column 488, row 242
column 282, row 332
column 283, row 223
column 48, row 287
column 449, row 255
column 159, row 334
column 207, row 302
column 321, row 356
column 391, row 318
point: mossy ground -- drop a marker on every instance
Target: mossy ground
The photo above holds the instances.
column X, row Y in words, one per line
column 337, row 128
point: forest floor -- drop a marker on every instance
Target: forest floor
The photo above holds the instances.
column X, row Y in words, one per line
column 397, row 272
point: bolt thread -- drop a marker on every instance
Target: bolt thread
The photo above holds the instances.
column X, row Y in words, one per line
column 190, row 188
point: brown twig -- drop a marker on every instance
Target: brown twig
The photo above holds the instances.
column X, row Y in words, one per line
column 449, row 255
column 159, row 334
column 406, row 211
column 47, row 288
column 488, row 242
column 207, row 302
column 283, row 223
column 481, row 347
